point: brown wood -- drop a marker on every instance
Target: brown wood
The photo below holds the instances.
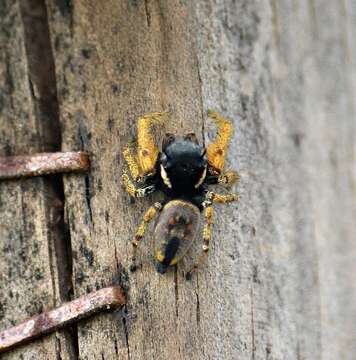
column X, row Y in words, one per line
column 33, row 265
column 279, row 281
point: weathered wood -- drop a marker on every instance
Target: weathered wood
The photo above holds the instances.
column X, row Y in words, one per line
column 284, row 71
column 103, row 86
column 30, row 210
column 279, row 281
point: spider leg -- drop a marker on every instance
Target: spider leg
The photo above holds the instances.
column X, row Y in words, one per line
column 208, row 214
column 219, row 198
column 147, row 218
column 136, row 192
column 228, row 178
column 141, row 157
column 130, row 156
column 216, row 152
column 147, row 149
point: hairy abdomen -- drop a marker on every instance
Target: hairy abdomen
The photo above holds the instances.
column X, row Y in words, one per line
column 175, row 231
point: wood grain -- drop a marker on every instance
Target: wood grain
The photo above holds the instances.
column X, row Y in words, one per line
column 279, row 281
column 33, row 259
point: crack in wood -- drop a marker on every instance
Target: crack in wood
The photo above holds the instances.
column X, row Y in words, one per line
column 125, row 311
column 43, row 89
column 198, row 309
column 252, row 326
column 148, row 13
column 88, row 198
column 275, row 22
column 8, row 84
column 116, row 346
column 58, row 349
column 314, row 19
column 176, row 292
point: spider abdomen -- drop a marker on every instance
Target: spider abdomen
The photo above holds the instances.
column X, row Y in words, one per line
column 175, row 231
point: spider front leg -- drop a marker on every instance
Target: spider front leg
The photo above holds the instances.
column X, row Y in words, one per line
column 216, row 152
column 147, row 152
column 141, row 157
column 147, row 218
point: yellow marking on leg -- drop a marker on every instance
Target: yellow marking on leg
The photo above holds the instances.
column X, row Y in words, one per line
column 129, row 186
column 147, row 149
column 229, row 178
column 216, row 152
column 209, row 212
column 147, row 218
column 130, row 157
column 149, row 215
column 133, row 190
column 218, row 198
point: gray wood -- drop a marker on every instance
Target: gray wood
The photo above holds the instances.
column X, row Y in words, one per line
column 280, row 279
column 31, row 264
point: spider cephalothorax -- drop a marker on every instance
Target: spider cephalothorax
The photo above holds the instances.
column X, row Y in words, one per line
column 182, row 170
column 183, row 164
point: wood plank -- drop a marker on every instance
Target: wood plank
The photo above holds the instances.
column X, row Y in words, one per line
column 108, row 74
column 284, row 71
column 30, row 209
column 279, row 279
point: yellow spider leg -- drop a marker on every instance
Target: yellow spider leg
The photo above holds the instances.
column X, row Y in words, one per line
column 218, row 198
column 147, row 149
column 209, row 212
column 133, row 190
column 216, row 152
column 147, row 218
column 229, row 178
column 132, row 161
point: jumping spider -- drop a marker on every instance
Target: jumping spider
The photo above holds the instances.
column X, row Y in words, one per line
column 182, row 171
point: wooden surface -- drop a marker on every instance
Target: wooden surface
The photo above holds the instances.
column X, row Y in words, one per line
column 280, row 279
column 33, row 257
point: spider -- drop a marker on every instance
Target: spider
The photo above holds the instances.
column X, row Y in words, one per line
column 182, row 170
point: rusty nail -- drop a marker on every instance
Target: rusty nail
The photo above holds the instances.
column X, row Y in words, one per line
column 68, row 313
column 13, row 167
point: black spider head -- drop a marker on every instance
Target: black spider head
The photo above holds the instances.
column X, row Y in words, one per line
column 183, row 162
